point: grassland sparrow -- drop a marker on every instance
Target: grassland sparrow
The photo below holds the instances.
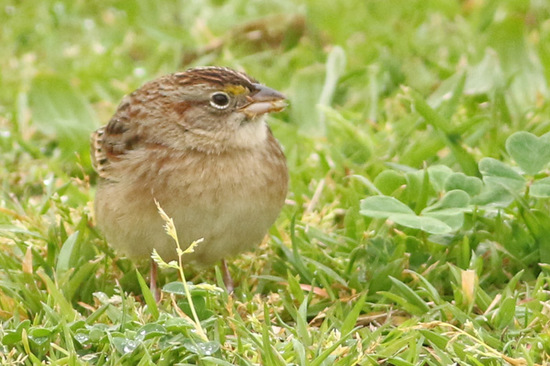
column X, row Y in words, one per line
column 197, row 142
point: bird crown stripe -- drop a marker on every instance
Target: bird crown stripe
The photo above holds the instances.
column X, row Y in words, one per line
column 214, row 75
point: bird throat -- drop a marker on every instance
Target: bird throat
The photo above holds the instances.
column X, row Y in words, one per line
column 251, row 133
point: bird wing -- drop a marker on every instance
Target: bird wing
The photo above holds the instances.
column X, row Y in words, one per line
column 110, row 142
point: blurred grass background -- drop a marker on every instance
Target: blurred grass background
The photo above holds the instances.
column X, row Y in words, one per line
column 330, row 286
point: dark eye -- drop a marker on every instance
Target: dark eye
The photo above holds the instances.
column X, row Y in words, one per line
column 219, row 100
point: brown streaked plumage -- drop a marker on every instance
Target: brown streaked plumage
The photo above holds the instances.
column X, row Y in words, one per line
column 196, row 142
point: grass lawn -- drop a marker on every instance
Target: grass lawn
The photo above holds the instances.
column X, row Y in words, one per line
column 417, row 229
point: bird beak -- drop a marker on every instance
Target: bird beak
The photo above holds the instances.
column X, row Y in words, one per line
column 263, row 100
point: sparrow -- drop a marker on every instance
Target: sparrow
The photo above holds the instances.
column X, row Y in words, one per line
column 197, row 143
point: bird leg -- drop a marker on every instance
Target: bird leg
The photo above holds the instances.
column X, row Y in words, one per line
column 153, row 280
column 227, row 280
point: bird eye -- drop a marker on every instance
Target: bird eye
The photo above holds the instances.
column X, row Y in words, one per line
column 219, row 100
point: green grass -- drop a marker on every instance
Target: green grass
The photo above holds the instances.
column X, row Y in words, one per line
column 417, row 229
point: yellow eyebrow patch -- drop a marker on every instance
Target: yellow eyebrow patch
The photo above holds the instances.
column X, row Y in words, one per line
column 235, row 89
